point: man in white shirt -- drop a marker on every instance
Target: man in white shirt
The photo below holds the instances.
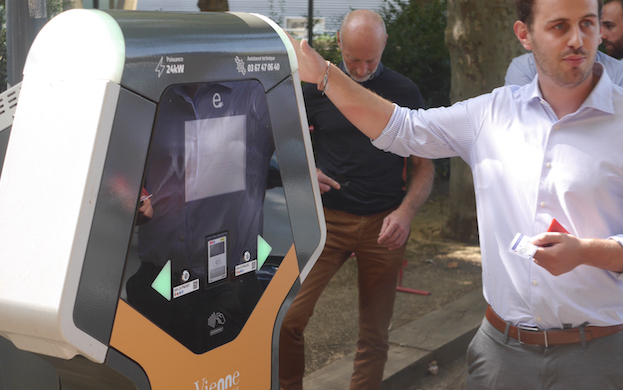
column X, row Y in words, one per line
column 522, row 69
column 548, row 150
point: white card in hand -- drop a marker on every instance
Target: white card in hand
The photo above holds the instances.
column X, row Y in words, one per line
column 522, row 246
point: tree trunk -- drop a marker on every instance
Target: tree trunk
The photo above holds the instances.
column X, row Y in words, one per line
column 74, row 4
column 481, row 43
column 213, row 5
column 128, row 5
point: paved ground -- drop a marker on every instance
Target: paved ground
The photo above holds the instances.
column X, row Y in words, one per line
column 440, row 336
column 450, row 377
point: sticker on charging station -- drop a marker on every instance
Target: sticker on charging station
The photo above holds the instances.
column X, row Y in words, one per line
column 170, row 65
column 186, row 288
column 247, row 267
column 217, row 257
column 257, row 64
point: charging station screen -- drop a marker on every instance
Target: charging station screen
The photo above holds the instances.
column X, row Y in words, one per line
column 215, row 156
column 202, row 258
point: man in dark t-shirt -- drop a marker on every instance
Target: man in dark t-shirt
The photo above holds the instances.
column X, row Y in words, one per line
column 366, row 209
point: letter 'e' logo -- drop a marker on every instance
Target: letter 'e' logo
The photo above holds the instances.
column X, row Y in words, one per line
column 216, row 100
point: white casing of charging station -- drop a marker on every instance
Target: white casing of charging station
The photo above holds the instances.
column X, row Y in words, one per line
column 51, row 178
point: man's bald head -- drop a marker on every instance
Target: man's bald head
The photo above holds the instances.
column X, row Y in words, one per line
column 364, row 21
column 362, row 39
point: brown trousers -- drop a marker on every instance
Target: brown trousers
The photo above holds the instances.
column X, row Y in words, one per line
column 377, row 277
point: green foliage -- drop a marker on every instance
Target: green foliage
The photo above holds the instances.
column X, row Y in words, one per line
column 276, row 10
column 416, row 46
column 326, row 46
column 55, row 7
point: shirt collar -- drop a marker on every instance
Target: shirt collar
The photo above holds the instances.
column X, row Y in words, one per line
column 376, row 74
column 600, row 97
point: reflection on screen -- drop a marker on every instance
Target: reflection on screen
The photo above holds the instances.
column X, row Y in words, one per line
column 215, row 156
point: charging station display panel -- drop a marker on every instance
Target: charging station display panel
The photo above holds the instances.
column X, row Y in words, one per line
column 201, row 246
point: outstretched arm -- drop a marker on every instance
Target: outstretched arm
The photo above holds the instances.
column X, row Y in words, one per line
column 366, row 110
column 397, row 225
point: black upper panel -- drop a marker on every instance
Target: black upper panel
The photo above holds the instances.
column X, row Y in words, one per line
column 165, row 48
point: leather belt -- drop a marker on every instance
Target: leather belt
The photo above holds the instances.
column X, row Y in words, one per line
column 534, row 336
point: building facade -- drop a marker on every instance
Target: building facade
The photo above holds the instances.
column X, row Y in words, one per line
column 289, row 14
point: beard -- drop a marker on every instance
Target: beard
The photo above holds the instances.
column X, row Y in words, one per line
column 614, row 49
column 361, row 79
column 554, row 68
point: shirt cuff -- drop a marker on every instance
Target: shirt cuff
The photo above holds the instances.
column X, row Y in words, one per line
column 619, row 239
column 390, row 133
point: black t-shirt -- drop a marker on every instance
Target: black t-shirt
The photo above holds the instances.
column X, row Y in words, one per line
column 374, row 178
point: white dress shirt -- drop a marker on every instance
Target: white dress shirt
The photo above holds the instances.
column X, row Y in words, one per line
column 530, row 167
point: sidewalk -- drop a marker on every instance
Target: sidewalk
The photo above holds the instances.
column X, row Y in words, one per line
column 442, row 335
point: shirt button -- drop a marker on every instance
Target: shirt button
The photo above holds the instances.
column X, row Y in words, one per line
column 542, row 204
column 538, row 319
column 557, row 127
column 182, row 238
column 548, row 165
column 535, row 283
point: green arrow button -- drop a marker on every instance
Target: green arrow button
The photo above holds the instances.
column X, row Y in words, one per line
column 162, row 283
column 263, row 250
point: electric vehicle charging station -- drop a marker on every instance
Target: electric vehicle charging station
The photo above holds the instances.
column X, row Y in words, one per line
column 185, row 109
